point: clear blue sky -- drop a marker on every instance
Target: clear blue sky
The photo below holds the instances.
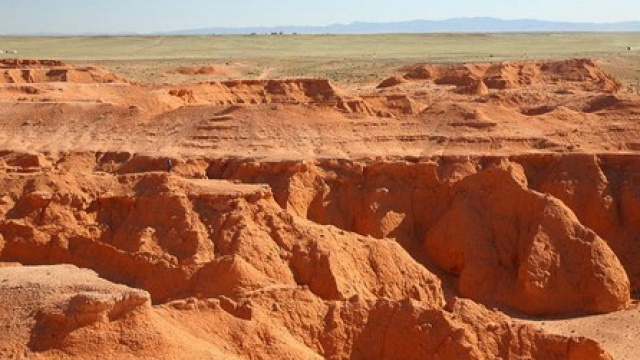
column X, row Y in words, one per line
column 81, row 16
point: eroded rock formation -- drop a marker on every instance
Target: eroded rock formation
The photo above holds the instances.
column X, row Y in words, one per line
column 291, row 219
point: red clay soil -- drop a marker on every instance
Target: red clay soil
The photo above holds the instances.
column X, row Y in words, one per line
column 195, row 70
column 15, row 71
column 516, row 75
column 290, row 219
column 222, row 70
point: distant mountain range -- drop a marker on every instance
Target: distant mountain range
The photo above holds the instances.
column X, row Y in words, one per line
column 461, row 25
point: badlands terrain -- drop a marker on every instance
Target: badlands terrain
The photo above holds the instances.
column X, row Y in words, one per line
column 461, row 211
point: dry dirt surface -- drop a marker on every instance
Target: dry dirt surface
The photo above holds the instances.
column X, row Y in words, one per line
column 478, row 211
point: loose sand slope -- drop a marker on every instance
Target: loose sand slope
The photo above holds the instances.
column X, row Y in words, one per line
column 292, row 219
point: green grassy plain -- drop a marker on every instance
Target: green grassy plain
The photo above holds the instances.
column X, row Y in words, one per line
column 349, row 59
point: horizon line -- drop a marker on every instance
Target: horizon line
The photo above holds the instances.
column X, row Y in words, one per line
column 185, row 31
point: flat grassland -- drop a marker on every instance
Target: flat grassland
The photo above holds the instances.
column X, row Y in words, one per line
column 345, row 59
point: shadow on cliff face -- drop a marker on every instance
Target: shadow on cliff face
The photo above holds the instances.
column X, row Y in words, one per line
column 545, row 235
column 526, row 232
column 338, row 253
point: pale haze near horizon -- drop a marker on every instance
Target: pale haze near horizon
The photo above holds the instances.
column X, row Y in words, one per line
column 149, row 16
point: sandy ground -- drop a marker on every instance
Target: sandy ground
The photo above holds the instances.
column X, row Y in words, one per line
column 617, row 332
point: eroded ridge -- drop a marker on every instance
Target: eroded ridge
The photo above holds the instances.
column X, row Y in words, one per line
column 379, row 233
column 293, row 219
column 559, row 107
